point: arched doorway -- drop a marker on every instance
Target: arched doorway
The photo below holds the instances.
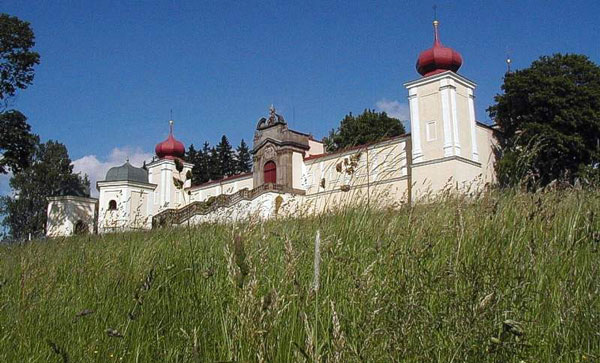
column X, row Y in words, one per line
column 270, row 170
column 81, row 228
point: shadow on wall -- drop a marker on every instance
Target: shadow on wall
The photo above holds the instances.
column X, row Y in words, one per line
column 69, row 215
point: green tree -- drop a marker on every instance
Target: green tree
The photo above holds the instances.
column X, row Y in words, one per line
column 205, row 160
column 16, row 58
column 16, row 72
column 50, row 174
column 16, row 141
column 193, row 156
column 226, row 157
column 549, row 117
column 215, row 170
column 201, row 172
column 242, row 158
column 370, row 126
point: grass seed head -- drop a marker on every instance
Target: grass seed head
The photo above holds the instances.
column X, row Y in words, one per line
column 84, row 312
column 113, row 333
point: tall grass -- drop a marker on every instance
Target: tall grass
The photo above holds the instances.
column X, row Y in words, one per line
column 508, row 277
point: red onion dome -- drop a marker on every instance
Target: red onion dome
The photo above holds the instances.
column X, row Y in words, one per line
column 438, row 58
column 170, row 148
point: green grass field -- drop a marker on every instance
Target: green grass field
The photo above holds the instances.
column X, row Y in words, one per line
column 511, row 277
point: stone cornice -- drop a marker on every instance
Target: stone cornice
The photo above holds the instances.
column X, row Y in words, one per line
column 168, row 161
column 449, row 158
column 280, row 144
column 436, row 77
column 125, row 183
column 72, row 198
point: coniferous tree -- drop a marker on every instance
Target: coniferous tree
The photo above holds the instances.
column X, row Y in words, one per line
column 50, row 174
column 205, row 166
column 225, row 156
column 218, row 162
column 243, row 159
column 215, row 170
column 194, row 156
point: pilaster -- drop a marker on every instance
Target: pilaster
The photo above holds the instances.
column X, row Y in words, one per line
column 446, row 117
column 455, row 121
column 415, row 124
column 474, row 150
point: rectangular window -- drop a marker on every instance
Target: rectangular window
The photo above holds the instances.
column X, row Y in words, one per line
column 430, row 130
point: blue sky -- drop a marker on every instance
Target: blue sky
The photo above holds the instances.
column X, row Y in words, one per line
column 111, row 72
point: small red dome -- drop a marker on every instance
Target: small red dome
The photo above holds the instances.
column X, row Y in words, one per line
column 438, row 58
column 170, row 148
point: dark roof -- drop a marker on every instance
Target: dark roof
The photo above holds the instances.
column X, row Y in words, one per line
column 127, row 172
column 487, row 126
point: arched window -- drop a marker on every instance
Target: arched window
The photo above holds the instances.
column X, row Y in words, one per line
column 112, row 205
column 270, row 171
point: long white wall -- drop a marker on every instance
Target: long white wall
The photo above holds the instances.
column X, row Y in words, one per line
column 226, row 186
column 378, row 172
column 65, row 212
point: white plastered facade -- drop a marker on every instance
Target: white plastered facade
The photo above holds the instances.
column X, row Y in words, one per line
column 68, row 215
column 446, row 150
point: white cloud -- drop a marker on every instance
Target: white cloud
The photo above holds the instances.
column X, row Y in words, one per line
column 395, row 109
column 96, row 168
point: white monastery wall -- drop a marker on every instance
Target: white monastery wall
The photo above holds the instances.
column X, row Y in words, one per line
column 297, row 169
column 315, row 148
column 377, row 172
column 486, row 143
column 65, row 212
column 203, row 192
column 265, row 206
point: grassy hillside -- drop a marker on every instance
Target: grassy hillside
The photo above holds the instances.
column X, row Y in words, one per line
column 510, row 277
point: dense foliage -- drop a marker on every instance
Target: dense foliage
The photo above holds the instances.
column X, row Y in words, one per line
column 213, row 163
column 50, row 174
column 17, row 143
column 16, row 72
column 549, row 115
column 243, row 159
column 16, row 57
column 370, row 126
column 508, row 278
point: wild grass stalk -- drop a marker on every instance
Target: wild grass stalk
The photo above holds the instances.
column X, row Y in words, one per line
column 509, row 276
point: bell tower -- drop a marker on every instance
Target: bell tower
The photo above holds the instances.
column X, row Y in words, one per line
column 442, row 120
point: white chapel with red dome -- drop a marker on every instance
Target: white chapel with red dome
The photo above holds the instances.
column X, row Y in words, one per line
column 292, row 175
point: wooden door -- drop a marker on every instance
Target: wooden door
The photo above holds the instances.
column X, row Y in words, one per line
column 270, row 171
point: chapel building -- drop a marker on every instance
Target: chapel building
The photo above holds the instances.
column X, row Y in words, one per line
column 293, row 175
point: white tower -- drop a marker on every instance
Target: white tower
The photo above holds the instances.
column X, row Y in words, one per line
column 444, row 132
